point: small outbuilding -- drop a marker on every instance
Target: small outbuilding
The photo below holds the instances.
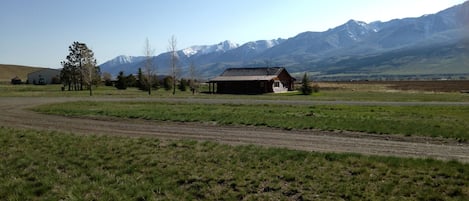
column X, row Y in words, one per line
column 16, row 80
column 44, row 76
column 252, row 81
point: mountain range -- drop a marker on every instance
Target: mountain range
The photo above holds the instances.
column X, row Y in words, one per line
column 431, row 44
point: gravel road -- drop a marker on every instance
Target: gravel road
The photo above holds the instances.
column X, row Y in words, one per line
column 15, row 114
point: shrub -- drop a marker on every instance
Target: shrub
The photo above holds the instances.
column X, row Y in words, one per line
column 315, row 88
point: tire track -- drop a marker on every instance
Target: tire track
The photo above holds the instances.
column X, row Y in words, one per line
column 16, row 115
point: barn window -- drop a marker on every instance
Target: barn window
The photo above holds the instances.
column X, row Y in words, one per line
column 276, row 84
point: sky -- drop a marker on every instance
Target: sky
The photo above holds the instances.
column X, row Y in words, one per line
column 38, row 33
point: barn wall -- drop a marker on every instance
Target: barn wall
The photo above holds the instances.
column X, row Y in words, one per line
column 280, row 88
column 244, row 87
column 286, row 79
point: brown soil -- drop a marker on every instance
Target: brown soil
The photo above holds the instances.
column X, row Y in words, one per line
column 16, row 115
column 435, row 86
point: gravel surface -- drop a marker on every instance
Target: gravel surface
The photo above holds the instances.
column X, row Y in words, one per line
column 15, row 114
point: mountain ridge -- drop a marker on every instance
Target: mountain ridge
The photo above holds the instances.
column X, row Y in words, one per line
column 327, row 52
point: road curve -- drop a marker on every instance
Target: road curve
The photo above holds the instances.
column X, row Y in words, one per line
column 15, row 114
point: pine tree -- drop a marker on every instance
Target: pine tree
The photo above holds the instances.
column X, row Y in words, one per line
column 140, row 81
column 121, row 81
column 305, row 86
column 183, row 85
column 79, row 68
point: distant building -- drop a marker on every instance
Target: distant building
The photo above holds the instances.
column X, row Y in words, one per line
column 16, row 80
column 252, row 81
column 44, row 76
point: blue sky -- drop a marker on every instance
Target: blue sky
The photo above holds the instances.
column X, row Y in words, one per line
column 38, row 33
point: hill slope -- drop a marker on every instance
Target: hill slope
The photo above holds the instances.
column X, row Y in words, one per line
column 10, row 71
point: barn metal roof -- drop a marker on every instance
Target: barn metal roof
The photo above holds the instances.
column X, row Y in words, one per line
column 244, row 78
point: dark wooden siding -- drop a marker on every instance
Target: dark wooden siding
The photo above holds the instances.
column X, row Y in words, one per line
column 244, row 87
column 286, row 79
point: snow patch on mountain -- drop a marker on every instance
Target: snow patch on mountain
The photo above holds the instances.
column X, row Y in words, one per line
column 124, row 59
column 207, row 49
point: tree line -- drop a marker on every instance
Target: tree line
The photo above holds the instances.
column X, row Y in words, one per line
column 124, row 81
column 80, row 71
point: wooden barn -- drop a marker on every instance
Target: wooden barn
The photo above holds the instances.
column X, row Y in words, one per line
column 252, row 81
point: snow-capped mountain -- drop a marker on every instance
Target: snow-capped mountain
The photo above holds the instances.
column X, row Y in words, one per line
column 249, row 50
column 121, row 63
column 123, row 59
column 438, row 39
column 198, row 50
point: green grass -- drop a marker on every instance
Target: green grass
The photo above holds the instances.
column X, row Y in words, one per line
column 39, row 165
column 399, row 96
column 55, row 91
column 362, row 93
column 444, row 121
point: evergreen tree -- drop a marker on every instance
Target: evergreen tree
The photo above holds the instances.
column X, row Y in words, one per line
column 183, row 85
column 131, row 81
column 121, row 81
column 305, row 86
column 140, row 80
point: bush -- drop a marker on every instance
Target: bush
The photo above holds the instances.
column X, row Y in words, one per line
column 315, row 88
column 168, row 83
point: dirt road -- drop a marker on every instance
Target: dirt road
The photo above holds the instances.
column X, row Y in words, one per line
column 13, row 114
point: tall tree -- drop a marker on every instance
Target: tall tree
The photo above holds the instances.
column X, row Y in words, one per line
column 66, row 75
column 174, row 59
column 79, row 68
column 89, row 71
column 193, row 82
column 149, row 69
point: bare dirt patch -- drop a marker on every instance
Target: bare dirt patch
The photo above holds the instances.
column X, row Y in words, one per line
column 431, row 86
column 14, row 115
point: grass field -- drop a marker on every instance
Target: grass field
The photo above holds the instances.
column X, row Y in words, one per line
column 42, row 165
column 329, row 91
column 434, row 121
